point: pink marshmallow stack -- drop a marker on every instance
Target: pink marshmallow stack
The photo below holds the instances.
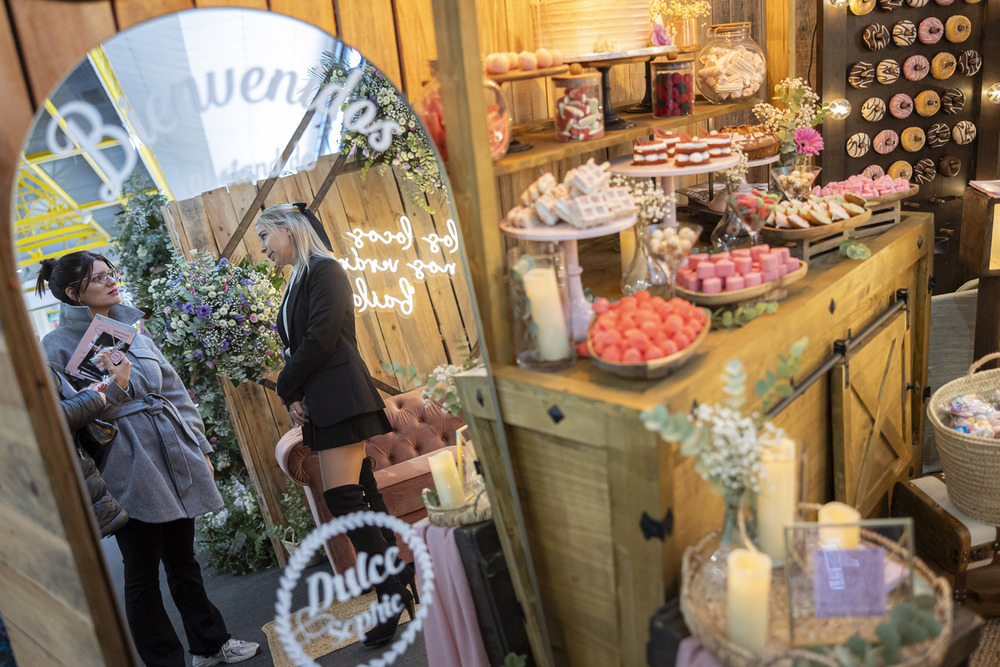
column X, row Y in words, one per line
column 741, row 269
column 742, row 264
column 725, row 268
column 792, row 265
column 752, row 279
column 768, row 276
column 741, row 252
column 768, row 262
column 734, row 283
column 705, row 270
column 758, row 250
column 711, row 285
column 720, row 256
column 695, row 260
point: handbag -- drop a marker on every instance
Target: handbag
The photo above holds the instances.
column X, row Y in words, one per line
column 96, row 437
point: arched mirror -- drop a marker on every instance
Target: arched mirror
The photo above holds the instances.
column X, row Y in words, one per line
column 159, row 151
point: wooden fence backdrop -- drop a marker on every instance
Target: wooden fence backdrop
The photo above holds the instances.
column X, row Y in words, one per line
column 441, row 319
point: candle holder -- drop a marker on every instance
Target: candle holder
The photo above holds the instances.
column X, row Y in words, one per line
column 540, row 304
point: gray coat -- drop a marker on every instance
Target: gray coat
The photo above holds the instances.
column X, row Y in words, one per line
column 156, row 467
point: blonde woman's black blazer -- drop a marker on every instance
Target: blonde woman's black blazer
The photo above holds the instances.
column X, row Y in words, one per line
column 322, row 366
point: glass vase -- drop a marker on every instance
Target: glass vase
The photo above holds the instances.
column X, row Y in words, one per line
column 716, row 569
column 646, row 271
column 542, row 316
column 731, row 232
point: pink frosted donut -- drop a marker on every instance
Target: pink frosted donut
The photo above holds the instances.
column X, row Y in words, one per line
column 944, row 3
column 931, row 30
column 873, row 171
column 916, row 68
column 901, row 105
column 885, row 142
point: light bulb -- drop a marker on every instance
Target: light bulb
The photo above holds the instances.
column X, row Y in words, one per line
column 993, row 93
column 840, row 109
column 838, row 3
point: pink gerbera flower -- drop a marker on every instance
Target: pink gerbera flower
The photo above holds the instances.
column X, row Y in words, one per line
column 808, row 141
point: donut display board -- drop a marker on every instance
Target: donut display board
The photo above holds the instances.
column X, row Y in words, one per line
column 914, row 76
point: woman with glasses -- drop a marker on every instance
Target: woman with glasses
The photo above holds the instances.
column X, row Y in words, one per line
column 158, row 469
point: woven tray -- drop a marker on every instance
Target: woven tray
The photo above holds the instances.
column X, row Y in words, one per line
column 971, row 463
column 704, row 612
column 476, row 510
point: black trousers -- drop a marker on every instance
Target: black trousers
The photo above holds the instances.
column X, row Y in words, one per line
column 144, row 546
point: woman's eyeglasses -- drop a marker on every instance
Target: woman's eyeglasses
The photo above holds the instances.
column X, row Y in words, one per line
column 102, row 277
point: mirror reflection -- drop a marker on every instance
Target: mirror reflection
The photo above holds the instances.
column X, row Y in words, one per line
column 264, row 207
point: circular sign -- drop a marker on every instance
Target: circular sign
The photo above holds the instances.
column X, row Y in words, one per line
column 348, row 582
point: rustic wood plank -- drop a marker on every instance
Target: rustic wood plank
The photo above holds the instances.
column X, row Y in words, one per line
column 779, row 43
column 415, row 37
column 249, row 4
column 190, row 214
column 80, row 26
column 131, row 12
column 15, row 106
column 223, row 220
column 317, row 12
column 368, row 26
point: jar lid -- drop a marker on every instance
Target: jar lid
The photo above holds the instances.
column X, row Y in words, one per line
column 731, row 26
column 686, row 63
column 577, row 80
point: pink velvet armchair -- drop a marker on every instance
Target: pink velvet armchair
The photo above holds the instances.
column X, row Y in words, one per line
column 401, row 466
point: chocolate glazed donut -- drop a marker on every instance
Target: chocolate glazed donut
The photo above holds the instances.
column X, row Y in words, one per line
column 949, row 166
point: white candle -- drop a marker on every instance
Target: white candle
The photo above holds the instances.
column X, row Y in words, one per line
column 776, row 504
column 627, row 239
column 446, row 481
column 542, row 289
column 839, row 538
column 748, row 586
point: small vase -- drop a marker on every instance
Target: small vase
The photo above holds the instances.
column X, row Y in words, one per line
column 684, row 32
column 542, row 322
column 731, row 232
column 646, row 272
column 716, row 569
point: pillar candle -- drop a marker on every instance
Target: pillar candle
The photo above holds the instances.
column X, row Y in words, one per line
column 748, row 587
column 627, row 239
column 542, row 290
column 446, row 481
column 839, row 538
column 779, row 494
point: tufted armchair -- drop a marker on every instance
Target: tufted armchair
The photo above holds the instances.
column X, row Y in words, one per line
column 401, row 467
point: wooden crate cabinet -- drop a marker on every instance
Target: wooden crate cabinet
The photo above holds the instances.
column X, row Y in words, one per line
column 587, row 470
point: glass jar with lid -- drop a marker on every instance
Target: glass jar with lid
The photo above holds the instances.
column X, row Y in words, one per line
column 731, row 66
column 579, row 113
column 673, row 88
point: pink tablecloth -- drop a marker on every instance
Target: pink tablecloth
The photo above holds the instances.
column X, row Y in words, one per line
column 451, row 629
column 692, row 654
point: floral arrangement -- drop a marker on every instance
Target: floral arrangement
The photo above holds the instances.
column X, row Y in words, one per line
column 679, row 10
column 734, row 176
column 649, row 197
column 219, row 316
column 235, row 539
column 143, row 242
column 794, row 120
column 723, row 439
column 439, row 384
column 409, row 151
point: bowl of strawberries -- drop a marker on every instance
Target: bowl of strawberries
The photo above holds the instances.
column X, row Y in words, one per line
column 644, row 336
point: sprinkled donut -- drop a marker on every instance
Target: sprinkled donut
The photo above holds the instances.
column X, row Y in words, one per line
column 938, row 135
column 887, row 71
column 858, row 144
column 924, row 171
column 873, row 171
column 913, row 139
column 969, row 62
column 873, row 110
column 904, row 33
column 943, row 65
column 949, row 166
column 964, row 132
column 862, row 75
column 885, row 142
column 927, row 103
column 952, row 101
column 901, row 106
column 931, row 31
column 916, row 68
column 900, row 169
column 875, row 37
column 957, row 28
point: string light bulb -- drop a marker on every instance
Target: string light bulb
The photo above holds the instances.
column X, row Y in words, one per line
column 993, row 93
column 839, row 109
column 838, row 3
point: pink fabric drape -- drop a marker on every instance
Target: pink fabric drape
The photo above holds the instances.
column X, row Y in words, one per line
column 451, row 629
column 692, row 654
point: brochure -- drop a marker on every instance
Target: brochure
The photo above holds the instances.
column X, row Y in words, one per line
column 102, row 333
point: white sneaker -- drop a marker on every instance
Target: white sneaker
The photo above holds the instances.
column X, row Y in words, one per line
column 234, row 650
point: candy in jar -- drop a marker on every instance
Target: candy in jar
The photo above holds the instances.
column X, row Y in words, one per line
column 673, row 88
column 579, row 115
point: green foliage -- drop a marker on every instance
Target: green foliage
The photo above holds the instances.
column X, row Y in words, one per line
column 439, row 384
column 297, row 514
column 777, row 384
column 515, row 660
column 742, row 315
column 235, row 539
column 909, row 624
column 852, row 248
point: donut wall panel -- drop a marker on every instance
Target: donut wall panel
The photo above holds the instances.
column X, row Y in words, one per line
column 907, row 67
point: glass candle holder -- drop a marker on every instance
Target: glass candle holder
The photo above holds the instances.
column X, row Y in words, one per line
column 540, row 304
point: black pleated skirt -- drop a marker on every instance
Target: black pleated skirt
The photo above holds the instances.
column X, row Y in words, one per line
column 353, row 429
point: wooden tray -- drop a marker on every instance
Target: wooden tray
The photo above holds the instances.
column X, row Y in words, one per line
column 523, row 75
column 878, row 202
column 816, row 231
column 725, row 298
column 651, row 370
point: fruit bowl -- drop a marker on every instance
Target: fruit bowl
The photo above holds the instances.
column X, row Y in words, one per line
column 796, row 181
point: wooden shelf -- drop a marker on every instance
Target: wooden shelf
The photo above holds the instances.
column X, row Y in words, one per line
column 547, row 149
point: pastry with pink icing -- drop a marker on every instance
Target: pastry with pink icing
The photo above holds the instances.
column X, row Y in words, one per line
column 916, row 68
column 901, row 106
column 930, row 31
column 885, row 142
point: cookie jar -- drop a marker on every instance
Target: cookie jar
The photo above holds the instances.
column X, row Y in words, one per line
column 579, row 113
column 731, row 67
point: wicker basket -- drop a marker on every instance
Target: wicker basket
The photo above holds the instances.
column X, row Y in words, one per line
column 971, row 464
column 476, row 510
column 707, row 620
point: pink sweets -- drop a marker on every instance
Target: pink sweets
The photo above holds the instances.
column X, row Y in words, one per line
column 731, row 272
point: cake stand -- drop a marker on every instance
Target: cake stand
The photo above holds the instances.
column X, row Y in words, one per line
column 567, row 236
column 603, row 62
column 667, row 173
